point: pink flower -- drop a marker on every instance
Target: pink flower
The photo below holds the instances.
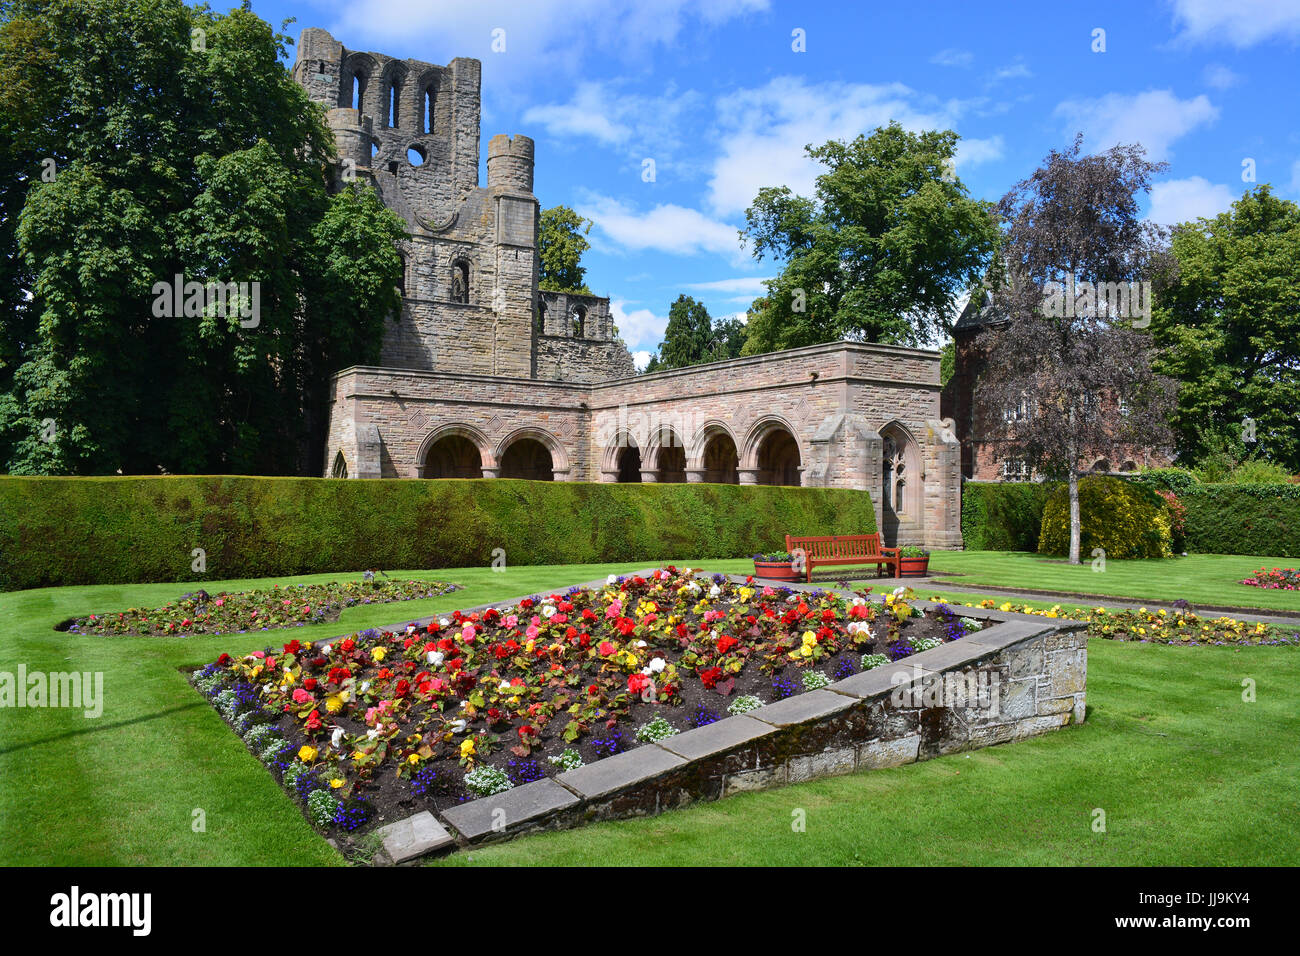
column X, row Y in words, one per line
column 532, row 632
column 300, row 696
column 614, row 610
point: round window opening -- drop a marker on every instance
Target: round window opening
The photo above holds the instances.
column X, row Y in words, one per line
column 415, row 156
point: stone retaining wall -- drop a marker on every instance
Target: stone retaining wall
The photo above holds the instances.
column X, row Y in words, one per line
column 1027, row 675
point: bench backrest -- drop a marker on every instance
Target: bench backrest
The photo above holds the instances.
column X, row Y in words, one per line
column 836, row 546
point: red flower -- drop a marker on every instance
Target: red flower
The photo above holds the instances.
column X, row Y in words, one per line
column 310, row 683
column 223, row 660
column 710, row 677
column 593, row 690
column 293, row 647
column 402, row 689
column 606, row 648
column 637, row 683
column 725, row 643
column 313, row 720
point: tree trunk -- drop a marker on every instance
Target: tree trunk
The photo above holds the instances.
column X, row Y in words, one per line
column 1075, row 526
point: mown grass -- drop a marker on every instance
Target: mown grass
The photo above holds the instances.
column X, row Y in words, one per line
column 1186, row 772
column 1198, row 578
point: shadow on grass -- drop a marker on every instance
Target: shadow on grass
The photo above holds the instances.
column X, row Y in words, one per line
column 99, row 728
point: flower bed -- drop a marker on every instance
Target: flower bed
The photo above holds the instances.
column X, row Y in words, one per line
column 237, row 612
column 472, row 704
column 1287, row 579
column 1182, row 626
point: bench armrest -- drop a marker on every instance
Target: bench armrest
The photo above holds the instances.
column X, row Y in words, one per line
column 893, row 551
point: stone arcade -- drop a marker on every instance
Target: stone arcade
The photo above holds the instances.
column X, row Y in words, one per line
column 484, row 375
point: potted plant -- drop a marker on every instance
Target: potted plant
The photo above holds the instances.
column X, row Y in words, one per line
column 913, row 562
column 775, row 567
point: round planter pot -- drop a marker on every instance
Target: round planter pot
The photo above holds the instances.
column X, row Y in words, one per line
column 775, row 571
column 913, row 567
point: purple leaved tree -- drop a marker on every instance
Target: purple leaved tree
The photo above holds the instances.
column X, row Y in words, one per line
column 1067, row 372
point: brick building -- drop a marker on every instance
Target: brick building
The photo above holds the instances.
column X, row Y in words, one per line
column 980, row 458
column 484, row 375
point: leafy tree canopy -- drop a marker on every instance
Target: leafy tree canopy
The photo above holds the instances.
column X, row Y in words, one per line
column 562, row 240
column 693, row 337
column 1229, row 322
column 142, row 140
column 880, row 254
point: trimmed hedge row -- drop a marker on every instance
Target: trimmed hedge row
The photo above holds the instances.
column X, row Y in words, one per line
column 1221, row 518
column 1243, row 519
column 118, row 530
column 1003, row 516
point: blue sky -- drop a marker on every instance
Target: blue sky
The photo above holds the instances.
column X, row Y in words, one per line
column 716, row 95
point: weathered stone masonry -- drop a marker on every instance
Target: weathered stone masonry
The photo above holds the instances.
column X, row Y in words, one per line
column 485, row 375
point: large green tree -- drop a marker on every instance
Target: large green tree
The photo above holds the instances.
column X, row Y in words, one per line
column 1229, row 324
column 157, row 141
column 561, row 241
column 881, row 252
column 692, row 337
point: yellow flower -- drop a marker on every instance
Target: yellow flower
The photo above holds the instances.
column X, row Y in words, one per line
column 1006, row 606
column 809, row 638
column 336, row 783
column 306, row 753
column 377, row 654
column 413, row 759
column 467, row 746
column 334, row 703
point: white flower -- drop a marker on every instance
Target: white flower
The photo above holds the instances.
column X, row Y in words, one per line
column 434, row 657
column 657, row 665
column 547, row 610
column 325, row 651
column 646, row 671
column 457, row 726
column 714, row 591
column 372, row 733
column 410, row 628
column 365, row 686
column 898, row 591
column 443, row 622
column 640, row 643
column 336, row 738
column 504, row 686
column 612, row 579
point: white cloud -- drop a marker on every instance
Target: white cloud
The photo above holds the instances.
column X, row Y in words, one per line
column 972, row 152
column 1015, row 71
column 540, row 35
column 1155, row 119
column 1219, row 76
column 641, row 329
column 762, row 131
column 750, row 285
column 1183, row 200
column 665, row 228
column 953, row 58
column 1241, row 23
column 588, row 113
column 641, row 359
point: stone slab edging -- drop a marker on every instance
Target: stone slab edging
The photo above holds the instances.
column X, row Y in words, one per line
column 852, row 724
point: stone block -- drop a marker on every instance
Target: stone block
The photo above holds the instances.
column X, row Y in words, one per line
column 717, row 737
column 826, row 764
column 879, row 681
column 801, row 708
column 506, row 811
column 608, row 776
column 414, row 837
column 879, row 754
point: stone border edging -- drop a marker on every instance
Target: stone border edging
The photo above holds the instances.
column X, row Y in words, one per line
column 852, row 724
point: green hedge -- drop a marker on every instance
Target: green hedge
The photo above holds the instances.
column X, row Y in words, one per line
column 56, row 531
column 1003, row 516
column 1243, row 519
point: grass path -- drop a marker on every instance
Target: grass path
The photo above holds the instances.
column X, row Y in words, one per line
column 1186, row 772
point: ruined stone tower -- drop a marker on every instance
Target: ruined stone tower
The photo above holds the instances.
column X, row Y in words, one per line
column 471, row 302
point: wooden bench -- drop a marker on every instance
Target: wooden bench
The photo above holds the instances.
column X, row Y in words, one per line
column 843, row 549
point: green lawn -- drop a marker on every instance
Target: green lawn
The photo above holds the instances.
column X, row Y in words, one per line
column 1198, row 578
column 1186, row 772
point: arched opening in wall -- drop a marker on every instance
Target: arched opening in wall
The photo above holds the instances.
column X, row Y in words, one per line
column 340, row 469
column 401, row 277
column 460, row 281
column 721, row 463
column 1101, row 465
column 1128, row 466
column 671, row 460
column 426, row 105
column 374, row 151
column 527, row 458
column 778, row 458
column 453, row 456
column 356, row 90
column 578, row 321
column 900, row 481
column 629, row 465
column 541, row 316
column 391, row 107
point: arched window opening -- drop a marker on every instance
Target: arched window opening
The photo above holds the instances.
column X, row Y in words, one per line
column 895, row 477
column 527, row 458
column 427, row 105
column 357, row 92
column 460, row 281
column 340, row 469
column 578, row 321
column 778, row 459
column 453, row 456
column 721, row 463
column 392, row 106
column 629, row 465
column 671, row 460
column 541, row 316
